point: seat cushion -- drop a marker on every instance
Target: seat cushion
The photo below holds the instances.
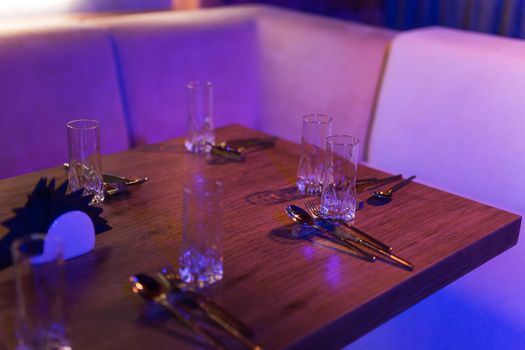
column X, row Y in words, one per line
column 51, row 74
column 450, row 111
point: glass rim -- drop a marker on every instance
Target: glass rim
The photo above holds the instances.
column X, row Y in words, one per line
column 199, row 84
column 342, row 140
column 317, row 118
column 90, row 124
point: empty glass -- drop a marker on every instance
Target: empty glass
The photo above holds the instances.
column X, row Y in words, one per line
column 316, row 128
column 201, row 255
column 200, row 135
column 39, row 278
column 339, row 195
column 85, row 167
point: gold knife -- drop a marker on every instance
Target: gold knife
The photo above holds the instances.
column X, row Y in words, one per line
column 353, row 238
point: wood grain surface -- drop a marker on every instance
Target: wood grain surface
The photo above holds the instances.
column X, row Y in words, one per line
column 296, row 294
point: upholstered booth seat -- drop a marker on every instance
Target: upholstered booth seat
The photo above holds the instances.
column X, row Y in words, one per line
column 251, row 54
column 50, row 74
column 451, row 111
column 130, row 72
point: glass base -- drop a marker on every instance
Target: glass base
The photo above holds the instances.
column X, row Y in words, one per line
column 346, row 214
column 309, row 188
column 199, row 144
column 49, row 339
column 86, row 177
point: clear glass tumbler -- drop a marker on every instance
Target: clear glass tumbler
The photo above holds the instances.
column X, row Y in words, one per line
column 339, row 195
column 85, row 167
column 201, row 255
column 200, row 135
column 39, row 277
column 316, row 128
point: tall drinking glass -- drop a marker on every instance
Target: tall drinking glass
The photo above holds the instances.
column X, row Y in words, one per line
column 339, row 195
column 85, row 167
column 201, row 255
column 200, row 135
column 316, row 128
column 39, row 277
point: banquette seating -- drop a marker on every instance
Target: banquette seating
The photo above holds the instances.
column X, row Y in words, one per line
column 442, row 104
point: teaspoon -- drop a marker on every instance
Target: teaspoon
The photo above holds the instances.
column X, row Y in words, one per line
column 149, row 289
column 387, row 194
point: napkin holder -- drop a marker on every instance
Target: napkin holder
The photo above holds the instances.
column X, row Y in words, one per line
column 52, row 211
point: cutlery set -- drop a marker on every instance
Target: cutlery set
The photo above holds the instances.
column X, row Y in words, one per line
column 300, row 216
column 236, row 150
column 158, row 289
column 353, row 238
column 373, row 183
column 114, row 184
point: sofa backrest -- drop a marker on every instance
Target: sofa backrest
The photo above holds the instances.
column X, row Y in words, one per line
column 51, row 74
column 451, row 110
column 314, row 64
column 159, row 53
column 270, row 66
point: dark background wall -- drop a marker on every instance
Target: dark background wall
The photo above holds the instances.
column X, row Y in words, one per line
column 502, row 17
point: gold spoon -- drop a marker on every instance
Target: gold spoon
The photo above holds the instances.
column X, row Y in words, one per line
column 149, row 289
column 387, row 194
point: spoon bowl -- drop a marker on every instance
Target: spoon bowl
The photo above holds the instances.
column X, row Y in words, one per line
column 300, row 216
column 147, row 287
column 387, row 194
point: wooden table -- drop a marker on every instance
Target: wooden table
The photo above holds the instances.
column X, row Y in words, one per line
column 294, row 293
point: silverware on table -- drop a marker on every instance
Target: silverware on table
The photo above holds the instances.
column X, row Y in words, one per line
column 149, row 289
column 216, row 313
column 373, row 183
column 112, row 178
column 387, row 194
column 107, row 177
column 112, row 188
column 314, row 209
column 300, row 216
column 236, row 150
column 224, row 151
column 405, row 263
